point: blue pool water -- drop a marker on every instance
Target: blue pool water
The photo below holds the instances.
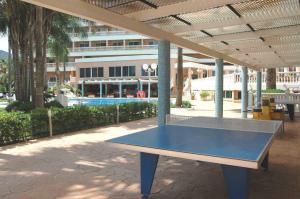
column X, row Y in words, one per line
column 105, row 101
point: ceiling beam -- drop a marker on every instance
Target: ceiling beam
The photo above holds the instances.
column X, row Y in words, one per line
column 179, row 8
column 87, row 11
column 235, row 22
column 282, row 31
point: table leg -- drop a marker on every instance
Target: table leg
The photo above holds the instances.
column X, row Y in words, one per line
column 265, row 162
column 291, row 111
column 236, row 179
column 148, row 163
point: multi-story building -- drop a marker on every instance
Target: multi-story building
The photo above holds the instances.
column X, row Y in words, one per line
column 108, row 63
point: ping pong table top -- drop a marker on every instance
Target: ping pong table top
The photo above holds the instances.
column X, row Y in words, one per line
column 216, row 145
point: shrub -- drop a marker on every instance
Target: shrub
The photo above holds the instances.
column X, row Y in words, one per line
column 20, row 106
column 273, row 91
column 204, row 94
column 14, row 127
column 18, row 126
column 53, row 103
column 186, row 104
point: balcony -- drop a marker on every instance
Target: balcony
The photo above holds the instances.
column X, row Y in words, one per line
column 51, row 67
column 107, row 48
column 103, row 33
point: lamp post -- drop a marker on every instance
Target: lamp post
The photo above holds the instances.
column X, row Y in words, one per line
column 149, row 68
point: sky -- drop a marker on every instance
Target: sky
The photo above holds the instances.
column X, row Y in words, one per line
column 4, row 43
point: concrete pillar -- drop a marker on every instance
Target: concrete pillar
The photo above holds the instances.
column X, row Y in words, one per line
column 141, row 85
column 120, row 89
column 100, row 89
column 219, row 88
column 82, row 89
column 258, row 89
column 244, row 91
column 163, row 81
column 106, row 90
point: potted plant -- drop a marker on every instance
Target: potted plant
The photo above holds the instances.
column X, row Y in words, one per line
column 204, row 95
column 193, row 96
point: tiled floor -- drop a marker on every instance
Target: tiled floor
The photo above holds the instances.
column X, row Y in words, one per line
column 82, row 166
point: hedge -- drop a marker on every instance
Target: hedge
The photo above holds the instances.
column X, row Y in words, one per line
column 19, row 126
column 14, row 127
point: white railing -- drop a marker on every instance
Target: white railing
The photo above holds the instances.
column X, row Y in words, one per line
column 104, row 48
column 53, row 65
column 233, row 81
column 283, row 98
column 281, row 77
column 102, row 33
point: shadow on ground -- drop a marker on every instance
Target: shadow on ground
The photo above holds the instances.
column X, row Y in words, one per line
column 81, row 165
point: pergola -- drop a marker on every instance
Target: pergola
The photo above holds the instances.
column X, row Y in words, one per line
column 251, row 33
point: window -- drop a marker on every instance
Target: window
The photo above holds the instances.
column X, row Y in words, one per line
column 84, row 44
column 128, row 71
column 117, row 43
column 111, row 71
column 115, row 71
column 52, row 79
column 134, row 43
column 100, row 71
column 292, row 69
column 88, row 72
column 131, row 70
column 94, row 72
column 118, row 71
column 101, row 43
column 213, row 73
column 82, row 72
column 125, row 71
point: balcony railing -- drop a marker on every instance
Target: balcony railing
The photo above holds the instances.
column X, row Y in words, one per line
column 281, row 77
column 107, row 48
column 102, row 33
column 53, row 65
column 233, row 81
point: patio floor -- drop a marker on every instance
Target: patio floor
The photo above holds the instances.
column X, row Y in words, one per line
column 81, row 166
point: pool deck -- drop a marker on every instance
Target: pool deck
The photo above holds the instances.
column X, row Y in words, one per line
column 80, row 165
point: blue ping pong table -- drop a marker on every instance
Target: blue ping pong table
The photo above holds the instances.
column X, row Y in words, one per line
column 236, row 151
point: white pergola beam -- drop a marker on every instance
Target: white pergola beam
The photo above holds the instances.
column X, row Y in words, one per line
column 179, row 8
column 87, row 11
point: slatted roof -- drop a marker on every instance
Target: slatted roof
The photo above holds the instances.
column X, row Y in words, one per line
column 253, row 33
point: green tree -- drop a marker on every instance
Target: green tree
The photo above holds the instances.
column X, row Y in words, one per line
column 3, row 75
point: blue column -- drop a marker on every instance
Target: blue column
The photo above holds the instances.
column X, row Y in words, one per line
column 82, row 89
column 141, row 85
column 120, row 89
column 106, row 90
column 219, row 88
column 163, row 81
column 258, row 89
column 100, row 89
column 244, row 91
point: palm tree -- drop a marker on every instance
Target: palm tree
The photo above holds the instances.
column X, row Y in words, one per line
column 59, row 39
column 271, row 78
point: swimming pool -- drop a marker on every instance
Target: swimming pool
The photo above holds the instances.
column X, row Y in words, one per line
column 105, row 101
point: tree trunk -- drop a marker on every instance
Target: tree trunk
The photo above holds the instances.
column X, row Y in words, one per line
column 9, row 65
column 31, row 73
column 40, row 68
column 179, row 80
column 271, row 78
